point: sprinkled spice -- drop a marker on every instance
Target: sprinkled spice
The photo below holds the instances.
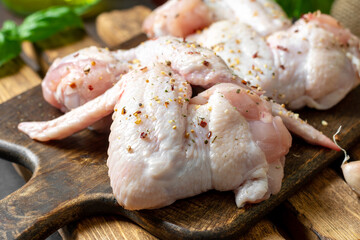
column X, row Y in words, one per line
column 72, row 85
column 255, row 55
column 166, row 104
column 174, row 127
column 209, row 135
column 282, row 48
column 87, row 70
column 243, row 82
column 76, row 54
column 187, row 135
column 168, row 63
column 238, row 91
column 144, row 69
column 90, row 87
column 129, row 149
column 138, row 121
column 282, row 67
column 203, row 123
column 93, row 63
column 143, row 135
column 123, row 111
column 172, row 87
column 206, row 63
column 140, row 104
column 206, row 141
column 137, row 113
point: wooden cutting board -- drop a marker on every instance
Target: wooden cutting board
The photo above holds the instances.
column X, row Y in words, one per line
column 70, row 178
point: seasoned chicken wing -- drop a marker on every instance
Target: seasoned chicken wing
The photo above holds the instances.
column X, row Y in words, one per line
column 313, row 63
column 165, row 147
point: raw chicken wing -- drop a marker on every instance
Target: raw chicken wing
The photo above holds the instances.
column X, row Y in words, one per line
column 317, row 62
column 163, row 148
column 181, row 18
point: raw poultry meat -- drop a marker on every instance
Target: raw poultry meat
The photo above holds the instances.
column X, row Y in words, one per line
column 81, row 76
column 181, row 18
column 227, row 134
column 317, row 62
column 313, row 63
column 88, row 73
column 160, row 138
column 198, row 65
column 167, row 148
column 74, row 80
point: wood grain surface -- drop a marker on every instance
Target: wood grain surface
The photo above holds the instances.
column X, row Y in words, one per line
column 326, row 208
column 118, row 26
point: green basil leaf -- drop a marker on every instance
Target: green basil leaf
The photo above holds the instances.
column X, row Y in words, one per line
column 84, row 8
column 296, row 8
column 10, row 44
column 42, row 24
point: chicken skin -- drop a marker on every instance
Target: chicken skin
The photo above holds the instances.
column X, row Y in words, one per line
column 314, row 63
column 165, row 147
column 181, row 18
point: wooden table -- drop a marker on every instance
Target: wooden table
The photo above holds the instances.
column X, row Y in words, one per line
column 325, row 208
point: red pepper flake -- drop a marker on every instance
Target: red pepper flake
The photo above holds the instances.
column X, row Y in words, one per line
column 209, row 134
column 123, row 111
column 76, row 54
column 172, row 87
column 203, row 123
column 296, row 31
column 166, row 104
column 143, row 135
column 255, row 55
column 243, row 82
column 191, row 53
column 144, row 69
column 282, row 48
column 206, row 63
column 91, row 87
column 282, row 67
column 73, row 85
column 168, row 63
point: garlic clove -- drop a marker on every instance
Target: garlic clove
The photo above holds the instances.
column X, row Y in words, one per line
column 351, row 171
